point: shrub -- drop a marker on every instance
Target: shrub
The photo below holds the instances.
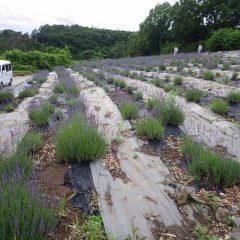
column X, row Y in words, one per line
column 110, row 80
column 178, row 81
column 141, row 77
column 158, row 82
column 224, row 39
column 169, row 112
column 129, row 89
column 26, row 215
column 162, row 67
column 151, row 103
column 74, row 103
column 27, row 93
column 223, row 171
column 40, row 80
column 150, row 129
column 6, row 97
column 48, row 108
column 101, row 75
column 58, row 115
column 120, row 83
column 234, row 76
column 168, row 87
column 128, row 110
column 53, row 99
column 73, row 90
column 105, row 88
column 219, row 106
column 193, row 95
column 9, row 107
column 77, row 142
column 30, row 82
column 208, row 75
column 138, row 95
column 38, row 117
column 30, row 144
column 233, row 97
column 225, row 67
column 59, row 89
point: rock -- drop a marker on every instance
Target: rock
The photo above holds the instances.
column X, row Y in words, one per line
column 181, row 194
column 236, row 221
column 236, row 234
column 221, row 214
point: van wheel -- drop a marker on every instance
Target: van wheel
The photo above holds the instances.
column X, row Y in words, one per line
column 10, row 83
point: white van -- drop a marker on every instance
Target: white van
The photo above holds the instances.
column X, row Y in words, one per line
column 6, row 73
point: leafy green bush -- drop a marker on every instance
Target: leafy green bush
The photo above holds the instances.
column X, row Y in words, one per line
column 178, row 81
column 9, row 107
column 162, row 67
column 59, row 88
column 168, row 112
column 128, row 110
column 138, row 95
column 39, row 117
column 27, row 93
column 77, row 142
column 224, row 39
column 6, row 97
column 150, row 129
column 208, row 75
column 193, row 95
column 223, row 171
column 30, row 82
column 219, row 106
column 233, row 97
column 30, row 144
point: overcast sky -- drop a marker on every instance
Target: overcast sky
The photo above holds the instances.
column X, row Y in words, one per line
column 25, row 15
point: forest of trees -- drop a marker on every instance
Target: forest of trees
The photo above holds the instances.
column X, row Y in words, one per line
column 186, row 24
column 213, row 23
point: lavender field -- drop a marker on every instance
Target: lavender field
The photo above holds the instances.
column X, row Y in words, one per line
column 133, row 148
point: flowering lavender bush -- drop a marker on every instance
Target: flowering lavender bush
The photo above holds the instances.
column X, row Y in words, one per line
column 24, row 213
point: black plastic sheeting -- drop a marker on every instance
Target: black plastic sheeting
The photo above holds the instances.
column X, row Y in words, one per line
column 79, row 178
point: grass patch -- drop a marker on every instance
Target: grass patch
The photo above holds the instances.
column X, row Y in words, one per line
column 150, row 129
column 162, row 67
column 27, row 93
column 48, row 108
column 193, row 95
column 178, row 81
column 128, row 110
column 30, row 82
column 138, row 95
column 168, row 87
column 208, row 75
column 233, row 97
column 223, row 171
column 225, row 66
column 73, row 90
column 59, row 89
column 168, row 112
column 110, row 80
column 39, row 117
column 77, row 142
column 8, row 107
column 158, row 82
column 219, row 106
column 129, row 89
column 6, row 97
column 53, row 99
column 234, row 76
column 151, row 103
column 120, row 83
